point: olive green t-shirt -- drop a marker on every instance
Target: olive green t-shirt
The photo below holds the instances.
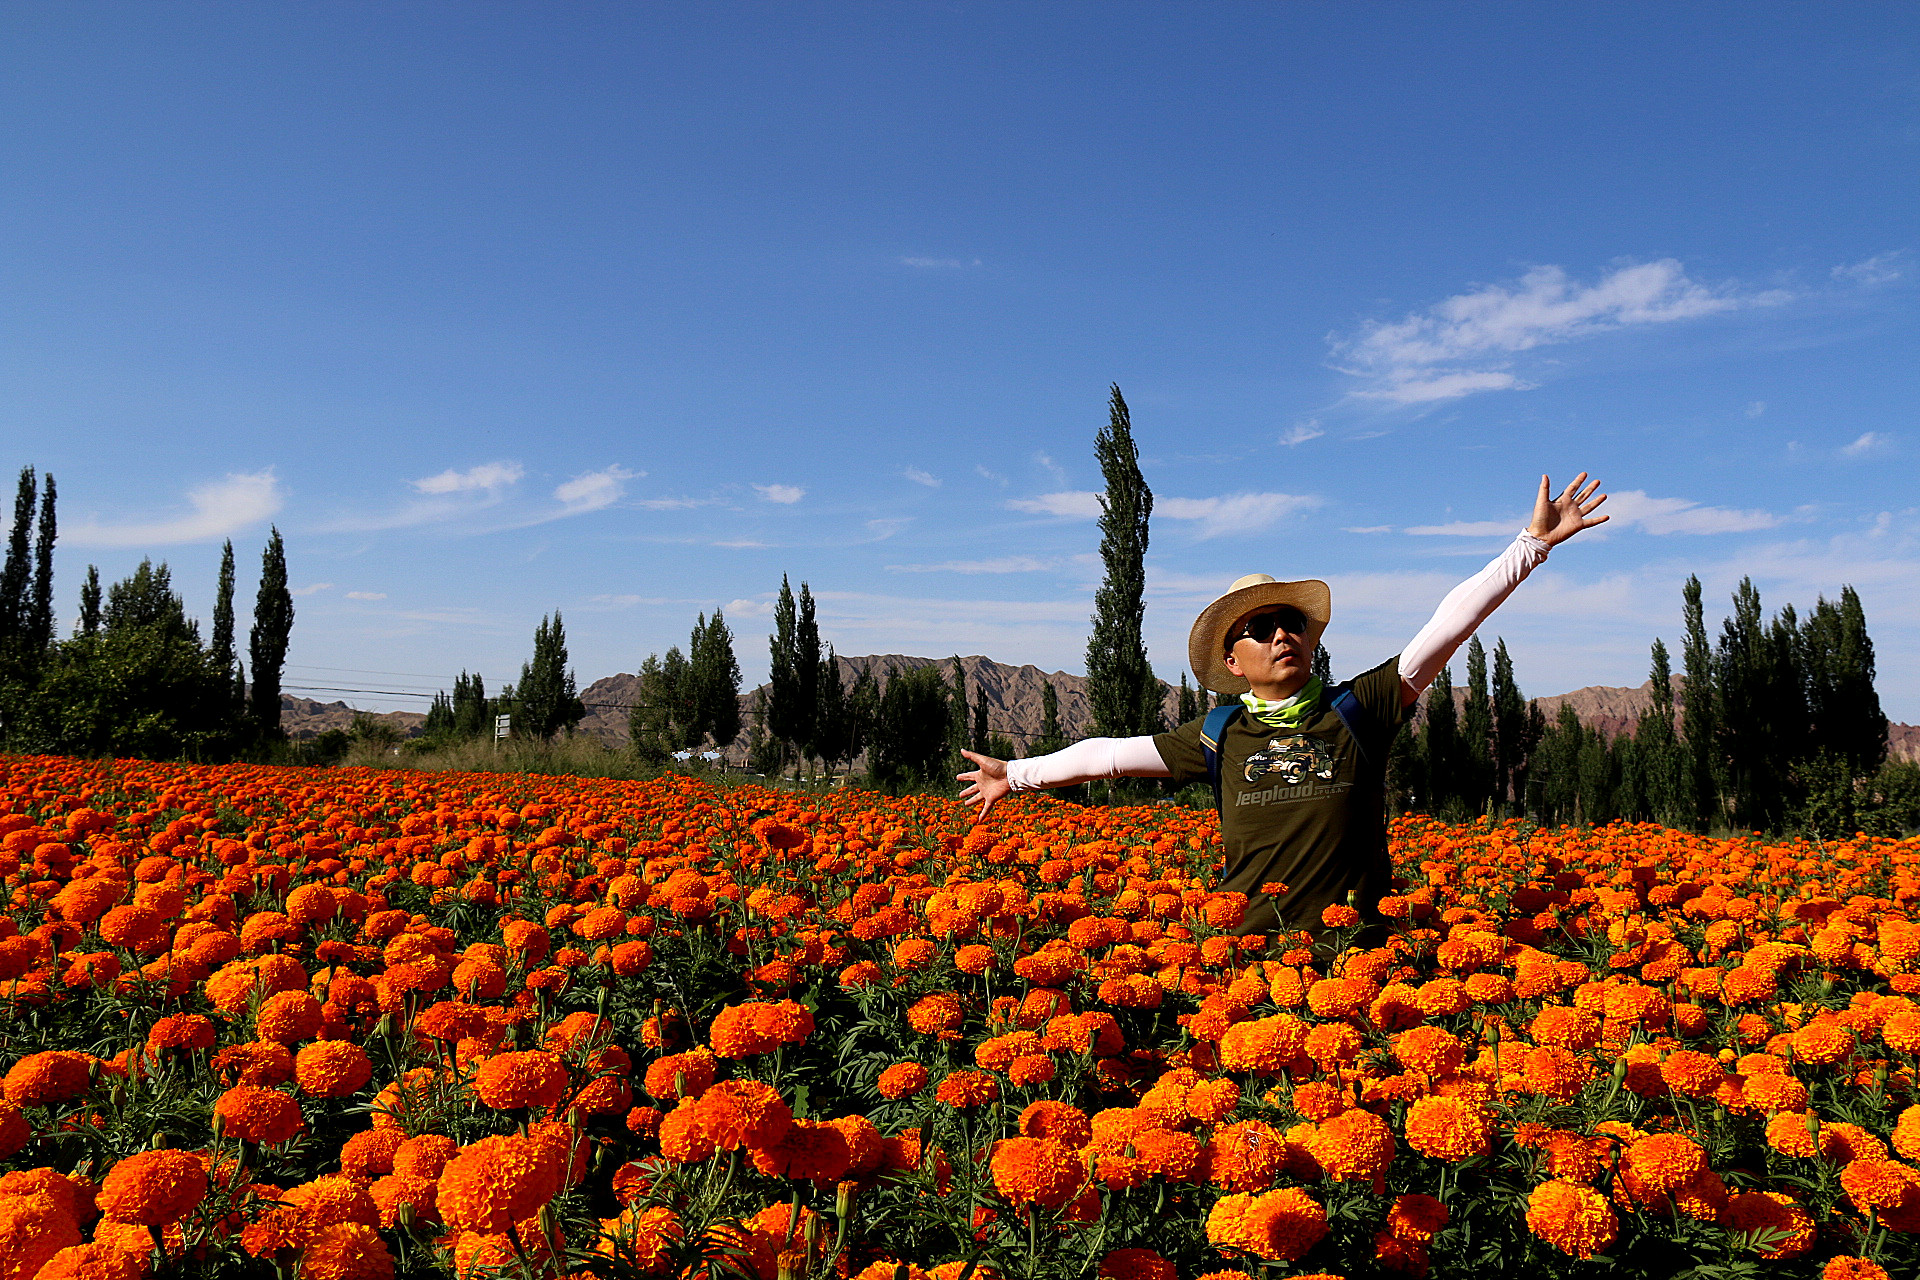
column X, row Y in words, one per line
column 1313, row 814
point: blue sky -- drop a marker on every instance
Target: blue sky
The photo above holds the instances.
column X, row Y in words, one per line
column 629, row 310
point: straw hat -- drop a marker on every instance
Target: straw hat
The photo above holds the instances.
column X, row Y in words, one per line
column 1207, row 642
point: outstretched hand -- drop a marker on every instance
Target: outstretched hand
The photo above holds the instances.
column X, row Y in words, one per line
column 1557, row 519
column 986, row 785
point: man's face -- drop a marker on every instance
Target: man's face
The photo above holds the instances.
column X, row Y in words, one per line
column 1280, row 660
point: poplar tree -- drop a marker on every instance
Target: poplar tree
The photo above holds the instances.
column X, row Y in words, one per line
column 1510, row 745
column 1189, row 703
column 833, row 728
column 39, row 619
column 90, row 602
column 794, row 677
column 1322, row 666
column 267, row 645
column 546, row 699
column 1442, row 743
column 1121, row 689
column 713, row 675
column 1051, row 738
column 1761, row 706
column 17, row 573
column 1476, row 731
column 471, row 712
column 957, row 736
column 1699, row 720
column 980, row 719
column 1663, row 768
column 220, row 646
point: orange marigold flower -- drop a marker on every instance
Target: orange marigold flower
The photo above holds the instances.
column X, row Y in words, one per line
column 33, row 1229
column 1572, row 1218
column 252, row 1114
column 680, row 1075
column 1136, row 1264
column 1278, row 1226
column 1447, row 1129
column 153, row 1188
column 346, row 1251
column 1211, row 1101
column 497, row 1182
column 1061, row 1121
column 1841, row 1268
column 1354, row 1146
column 48, row 1078
column 1666, row 1161
column 807, row 1151
column 1876, row 1186
column 939, row 1014
column 963, row 1089
column 1038, row 1171
column 902, row 1079
column 741, row 1113
column 1823, row 1042
column 1789, row 1227
column 424, row 1156
column 531, row 1078
column 288, row 1017
column 332, row 1068
column 1429, row 1050
column 99, row 1260
column 1244, row 1157
column 643, row 1236
column 1416, row 1217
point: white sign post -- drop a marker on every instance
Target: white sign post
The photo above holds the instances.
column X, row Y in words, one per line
column 502, row 726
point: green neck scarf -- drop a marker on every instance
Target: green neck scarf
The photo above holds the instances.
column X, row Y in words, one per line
column 1288, row 713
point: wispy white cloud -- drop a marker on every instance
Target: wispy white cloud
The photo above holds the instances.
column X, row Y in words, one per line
column 786, row 494
column 1001, row 564
column 1466, row 343
column 487, row 477
column 939, row 264
column 218, row 510
column 674, row 504
column 1368, row 528
column 1301, row 432
column 1881, row 268
column 994, row 476
column 1079, row 504
column 1235, row 512
column 366, row 595
column 311, row 589
column 593, row 490
column 1045, row 462
column 1630, row 509
column 742, row 544
column 1635, row 509
column 1870, row 442
column 1468, row 528
column 1755, row 408
column 918, row 476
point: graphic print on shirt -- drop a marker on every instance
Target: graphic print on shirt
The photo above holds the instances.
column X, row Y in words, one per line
column 1302, row 766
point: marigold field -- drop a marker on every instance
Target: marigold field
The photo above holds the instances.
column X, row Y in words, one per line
column 343, row 1023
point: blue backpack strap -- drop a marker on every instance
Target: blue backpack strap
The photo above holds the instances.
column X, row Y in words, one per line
column 1354, row 716
column 1211, row 731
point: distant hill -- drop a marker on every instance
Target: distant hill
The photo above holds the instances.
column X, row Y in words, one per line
column 1013, row 704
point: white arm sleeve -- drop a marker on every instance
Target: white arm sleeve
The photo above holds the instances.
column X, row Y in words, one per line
column 1088, row 759
column 1465, row 608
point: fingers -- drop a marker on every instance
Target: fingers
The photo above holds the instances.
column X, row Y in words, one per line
column 1574, row 487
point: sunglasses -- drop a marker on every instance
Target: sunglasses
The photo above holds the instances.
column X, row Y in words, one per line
column 1261, row 627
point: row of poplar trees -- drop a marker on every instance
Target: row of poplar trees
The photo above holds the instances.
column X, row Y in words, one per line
column 543, row 703
column 1774, row 727
column 134, row 677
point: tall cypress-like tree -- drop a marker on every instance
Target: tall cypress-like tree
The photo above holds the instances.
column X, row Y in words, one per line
column 1322, row 666
column 1760, row 704
column 980, row 719
column 1476, row 733
column 1510, row 746
column 1663, row 766
column 807, row 657
column 267, row 645
column 90, row 602
column 221, row 644
column 786, row 720
column 17, row 573
column 1837, row 671
column 39, row 619
column 1189, row 702
column 547, row 699
column 833, row 727
column 714, row 677
column 1699, row 716
column 1121, row 688
column 957, row 735
column 471, row 711
column 1442, row 743
column 1051, row 737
